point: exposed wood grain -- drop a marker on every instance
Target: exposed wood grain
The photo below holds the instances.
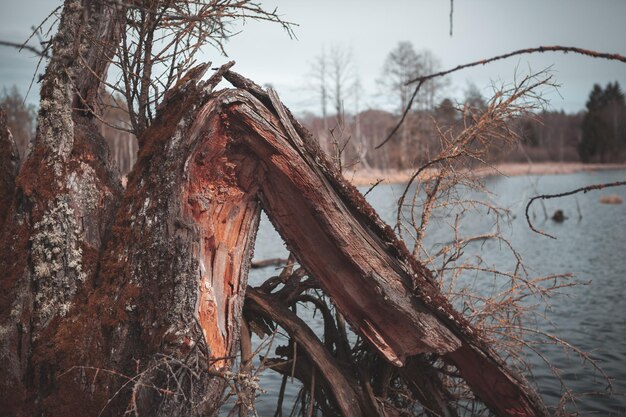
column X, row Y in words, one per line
column 166, row 283
column 226, row 218
column 359, row 264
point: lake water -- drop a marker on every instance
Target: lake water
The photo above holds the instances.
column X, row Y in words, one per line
column 590, row 244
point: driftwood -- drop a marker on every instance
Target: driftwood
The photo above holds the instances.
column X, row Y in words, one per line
column 268, row 262
column 143, row 314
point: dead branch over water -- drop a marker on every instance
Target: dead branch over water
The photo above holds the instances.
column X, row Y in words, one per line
column 134, row 301
column 585, row 190
column 421, row 80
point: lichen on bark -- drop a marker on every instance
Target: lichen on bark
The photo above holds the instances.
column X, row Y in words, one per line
column 56, row 257
column 55, row 124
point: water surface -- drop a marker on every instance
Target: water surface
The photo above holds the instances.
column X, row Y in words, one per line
column 590, row 244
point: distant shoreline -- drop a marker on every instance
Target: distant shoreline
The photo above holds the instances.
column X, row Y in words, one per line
column 509, row 169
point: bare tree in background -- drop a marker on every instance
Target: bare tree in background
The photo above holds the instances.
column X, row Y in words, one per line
column 20, row 119
column 319, row 76
column 115, row 127
column 402, row 65
column 342, row 78
column 361, row 144
column 430, row 64
column 334, row 78
column 474, row 99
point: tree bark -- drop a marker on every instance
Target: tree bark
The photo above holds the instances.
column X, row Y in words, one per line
column 160, row 319
column 117, row 301
column 56, row 222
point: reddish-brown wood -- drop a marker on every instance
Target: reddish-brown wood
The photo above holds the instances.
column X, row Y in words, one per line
column 385, row 295
column 169, row 285
column 130, row 300
column 225, row 213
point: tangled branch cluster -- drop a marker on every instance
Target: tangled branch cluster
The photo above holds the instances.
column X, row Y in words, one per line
column 162, row 40
column 443, row 188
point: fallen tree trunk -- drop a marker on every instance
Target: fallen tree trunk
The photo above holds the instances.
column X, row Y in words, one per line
column 150, row 321
column 386, row 296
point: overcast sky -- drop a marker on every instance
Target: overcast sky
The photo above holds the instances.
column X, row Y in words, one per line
column 482, row 28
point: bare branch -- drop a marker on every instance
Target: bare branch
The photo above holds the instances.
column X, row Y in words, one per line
column 576, row 191
column 268, row 262
column 451, row 16
column 20, row 46
column 420, row 80
column 404, row 114
column 565, row 49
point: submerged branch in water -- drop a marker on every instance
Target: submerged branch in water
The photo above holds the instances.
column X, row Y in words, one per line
column 576, row 191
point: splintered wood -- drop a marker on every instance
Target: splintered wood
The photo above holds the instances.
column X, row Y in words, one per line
column 161, row 291
column 386, row 296
column 226, row 218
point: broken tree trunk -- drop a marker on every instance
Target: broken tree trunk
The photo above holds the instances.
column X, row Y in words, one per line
column 142, row 313
column 386, row 296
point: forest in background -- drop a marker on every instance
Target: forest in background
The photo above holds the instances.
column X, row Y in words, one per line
column 346, row 132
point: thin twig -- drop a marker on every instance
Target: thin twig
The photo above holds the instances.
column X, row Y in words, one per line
column 20, row 46
column 403, row 117
column 373, row 186
column 451, row 16
column 556, row 48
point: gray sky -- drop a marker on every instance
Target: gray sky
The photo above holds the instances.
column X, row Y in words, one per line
column 482, row 28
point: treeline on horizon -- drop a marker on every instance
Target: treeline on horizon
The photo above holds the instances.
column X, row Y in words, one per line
column 597, row 134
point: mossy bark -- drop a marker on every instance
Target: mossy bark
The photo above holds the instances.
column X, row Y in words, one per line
column 117, row 301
